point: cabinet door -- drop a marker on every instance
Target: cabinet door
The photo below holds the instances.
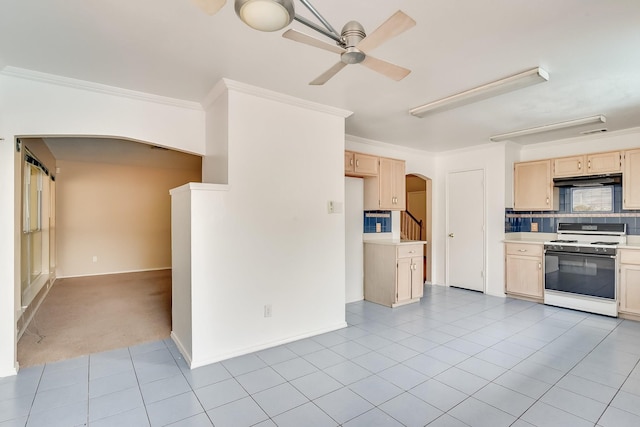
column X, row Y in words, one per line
column 403, row 280
column 417, row 285
column 365, row 165
column 569, row 166
column 392, row 184
column 524, row 275
column 610, row 162
column 630, row 288
column 533, row 186
column 631, row 180
column 399, row 185
column 349, row 162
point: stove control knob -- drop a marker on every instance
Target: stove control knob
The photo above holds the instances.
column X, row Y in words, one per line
column 597, row 249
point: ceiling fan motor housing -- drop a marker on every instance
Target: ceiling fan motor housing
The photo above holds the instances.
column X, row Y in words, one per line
column 352, row 34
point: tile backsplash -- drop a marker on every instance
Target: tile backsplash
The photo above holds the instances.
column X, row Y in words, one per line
column 372, row 218
column 520, row 221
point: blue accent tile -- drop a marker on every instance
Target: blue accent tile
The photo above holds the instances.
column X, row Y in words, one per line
column 371, row 218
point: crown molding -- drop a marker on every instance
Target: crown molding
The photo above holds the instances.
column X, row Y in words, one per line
column 97, row 87
column 228, row 85
column 387, row 145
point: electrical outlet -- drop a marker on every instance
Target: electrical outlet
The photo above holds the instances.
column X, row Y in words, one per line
column 267, row 310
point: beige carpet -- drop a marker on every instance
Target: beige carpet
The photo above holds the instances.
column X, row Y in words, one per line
column 84, row 315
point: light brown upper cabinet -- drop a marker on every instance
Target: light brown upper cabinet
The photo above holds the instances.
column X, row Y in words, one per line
column 533, row 186
column 359, row 164
column 587, row 164
column 631, row 180
column 387, row 190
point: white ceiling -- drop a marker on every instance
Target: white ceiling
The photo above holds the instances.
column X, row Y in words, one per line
column 591, row 49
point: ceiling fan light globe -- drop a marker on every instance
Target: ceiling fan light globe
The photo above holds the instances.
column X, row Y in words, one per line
column 352, row 56
column 265, row 15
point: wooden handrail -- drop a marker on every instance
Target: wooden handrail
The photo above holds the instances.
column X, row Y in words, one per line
column 410, row 226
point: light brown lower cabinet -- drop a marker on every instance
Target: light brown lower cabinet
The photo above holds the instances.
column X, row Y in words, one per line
column 524, row 270
column 393, row 273
column 629, row 282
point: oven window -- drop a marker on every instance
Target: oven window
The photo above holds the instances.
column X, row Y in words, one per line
column 587, row 275
column 592, row 199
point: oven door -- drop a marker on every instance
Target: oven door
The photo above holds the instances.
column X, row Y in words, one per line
column 583, row 274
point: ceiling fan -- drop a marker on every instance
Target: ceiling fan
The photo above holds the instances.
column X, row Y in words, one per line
column 352, row 43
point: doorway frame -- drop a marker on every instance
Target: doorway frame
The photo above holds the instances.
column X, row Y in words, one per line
column 428, row 247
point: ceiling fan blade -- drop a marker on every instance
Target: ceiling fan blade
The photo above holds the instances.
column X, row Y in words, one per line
column 388, row 69
column 324, row 77
column 397, row 24
column 311, row 41
column 210, row 7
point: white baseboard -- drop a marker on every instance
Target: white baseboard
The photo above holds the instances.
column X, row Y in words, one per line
column 183, row 351
column 241, row 352
column 116, row 272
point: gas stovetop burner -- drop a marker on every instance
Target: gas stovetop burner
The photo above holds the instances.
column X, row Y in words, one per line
column 563, row 241
column 605, row 243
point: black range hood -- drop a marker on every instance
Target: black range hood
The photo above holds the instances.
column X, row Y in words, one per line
column 588, row 181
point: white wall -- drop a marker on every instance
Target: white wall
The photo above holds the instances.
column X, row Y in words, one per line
column 491, row 158
column 268, row 239
column 35, row 104
column 354, row 224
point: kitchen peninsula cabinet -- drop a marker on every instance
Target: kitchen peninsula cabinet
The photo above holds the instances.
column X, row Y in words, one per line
column 533, row 186
column 629, row 282
column 631, row 180
column 587, row 164
column 523, row 270
column 359, row 164
column 387, row 190
column 393, row 273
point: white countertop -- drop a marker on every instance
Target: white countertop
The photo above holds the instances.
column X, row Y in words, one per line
column 395, row 242
column 537, row 238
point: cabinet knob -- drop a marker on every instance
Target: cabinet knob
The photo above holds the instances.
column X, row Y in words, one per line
column 539, row 266
column 351, row 162
column 522, row 250
column 579, row 165
column 412, row 252
column 357, row 162
column 451, row 235
column 589, row 164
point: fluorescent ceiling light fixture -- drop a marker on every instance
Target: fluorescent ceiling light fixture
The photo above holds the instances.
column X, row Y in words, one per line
column 549, row 128
column 498, row 87
column 265, row 15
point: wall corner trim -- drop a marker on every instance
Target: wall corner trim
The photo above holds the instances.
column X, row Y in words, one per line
column 97, row 87
column 232, row 85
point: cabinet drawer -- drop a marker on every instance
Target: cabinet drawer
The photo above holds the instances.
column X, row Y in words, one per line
column 409, row 251
column 524, row 249
column 629, row 256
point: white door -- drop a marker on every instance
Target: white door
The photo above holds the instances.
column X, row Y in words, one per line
column 354, row 251
column 465, row 230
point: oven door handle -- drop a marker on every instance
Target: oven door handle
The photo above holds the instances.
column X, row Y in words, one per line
column 579, row 254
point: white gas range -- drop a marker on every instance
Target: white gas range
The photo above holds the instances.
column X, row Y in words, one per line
column 580, row 267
